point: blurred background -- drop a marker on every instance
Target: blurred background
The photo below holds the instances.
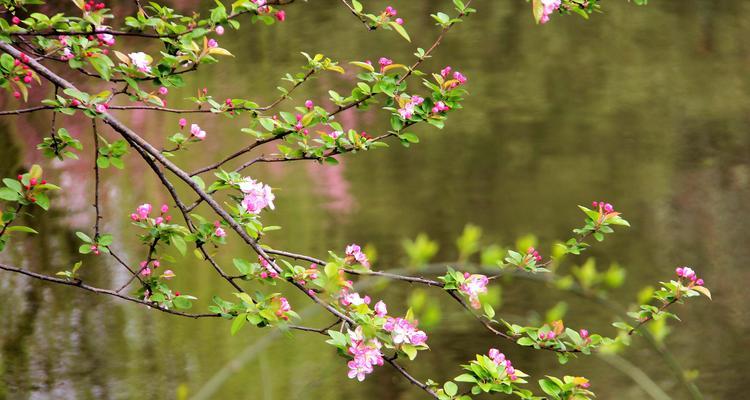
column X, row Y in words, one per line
column 645, row 107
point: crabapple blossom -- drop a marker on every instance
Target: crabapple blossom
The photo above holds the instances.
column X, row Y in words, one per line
column 404, row 332
column 407, row 111
column 473, row 286
column 163, row 90
column 141, row 61
column 143, row 210
column 353, row 299
column 219, row 232
column 499, row 359
column 549, row 6
column 366, row 354
column 384, row 62
column 270, row 271
column 335, row 134
column 380, row 309
column 182, row 122
column 390, row 11
column 212, row 43
column 440, row 107
column 688, row 273
column 281, row 15
column 219, row 30
column 197, row 132
column 309, row 104
column 354, row 253
column 533, row 253
column 257, row 196
column 168, row 274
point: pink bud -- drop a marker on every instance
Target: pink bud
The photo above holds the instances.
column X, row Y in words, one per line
column 134, row 217
column 182, row 122
column 399, row 21
column 156, row 263
column 219, row 30
column 281, row 15
column 309, row 104
column 27, row 79
column 264, row 274
column 16, row 20
column 17, row 94
column 75, row 103
column 584, row 333
column 163, row 90
column 158, row 221
column 699, row 282
column 164, row 208
column 212, row 43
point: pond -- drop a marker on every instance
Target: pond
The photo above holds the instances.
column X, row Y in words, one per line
column 645, row 107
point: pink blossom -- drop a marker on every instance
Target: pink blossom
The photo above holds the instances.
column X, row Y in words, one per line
column 164, row 208
column 141, row 61
column 440, row 107
column 257, row 196
column 163, row 90
column 101, row 108
column 143, row 210
column 335, row 134
column 403, row 331
column 473, row 286
column 106, row 38
column 219, row 232
column 499, row 359
column 380, row 309
column 67, row 54
column 212, row 43
column 281, row 15
column 309, row 104
column 354, row 253
column 445, row 72
column 549, row 6
column 158, row 221
column 366, row 354
column 399, row 21
column 353, row 299
column 390, row 11
column 459, row 77
column 146, row 271
column 284, row 307
column 196, row 131
column 384, row 62
column 269, row 268
column 168, row 274
column 219, row 30
column 182, row 122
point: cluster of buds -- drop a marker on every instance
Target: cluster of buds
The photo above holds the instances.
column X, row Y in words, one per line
column 604, row 208
column 147, row 271
column 585, row 335
column 688, row 273
column 499, row 359
column 473, row 286
column 92, row 5
column 407, row 109
column 22, row 72
column 548, row 7
column 391, row 12
column 143, row 212
column 30, row 187
column 532, row 253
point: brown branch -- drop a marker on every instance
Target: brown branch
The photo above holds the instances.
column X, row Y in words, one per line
column 108, row 292
column 97, row 217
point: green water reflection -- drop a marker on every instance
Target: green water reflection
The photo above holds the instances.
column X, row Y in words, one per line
column 645, row 107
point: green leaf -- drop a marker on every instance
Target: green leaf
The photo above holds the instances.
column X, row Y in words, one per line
column 465, row 378
column 450, row 388
column 238, row 323
column 84, row 237
column 13, row 184
column 526, row 341
column 400, row 29
column 179, row 243
column 21, row 228
column 182, row 302
column 8, row 194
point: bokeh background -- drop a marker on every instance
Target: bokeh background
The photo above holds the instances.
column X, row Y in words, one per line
column 645, row 107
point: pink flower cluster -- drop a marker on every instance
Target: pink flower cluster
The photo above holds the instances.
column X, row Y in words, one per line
column 354, row 253
column 366, row 354
column 26, row 73
column 457, row 76
column 688, row 273
column 473, row 286
column 499, row 359
column 547, row 336
column 352, row 298
column 257, row 196
column 407, row 111
column 284, row 307
column 404, row 332
column 549, row 6
column 534, row 254
column 604, row 208
column 269, row 272
column 218, row 230
column 143, row 212
column 146, row 271
column 440, row 107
